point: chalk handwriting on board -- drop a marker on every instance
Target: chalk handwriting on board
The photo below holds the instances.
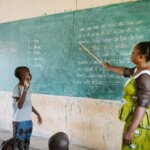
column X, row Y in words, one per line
column 107, row 34
column 7, row 48
column 34, row 54
column 49, row 45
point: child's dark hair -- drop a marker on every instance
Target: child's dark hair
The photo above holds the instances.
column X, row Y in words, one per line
column 145, row 49
column 13, row 144
column 19, row 71
column 59, row 141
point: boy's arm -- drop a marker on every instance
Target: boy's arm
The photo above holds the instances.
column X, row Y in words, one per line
column 20, row 100
column 38, row 115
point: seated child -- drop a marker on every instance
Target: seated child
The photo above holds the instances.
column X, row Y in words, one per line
column 12, row 144
column 59, row 141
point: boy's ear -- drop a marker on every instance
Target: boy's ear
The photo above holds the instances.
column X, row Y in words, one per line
column 23, row 77
column 141, row 56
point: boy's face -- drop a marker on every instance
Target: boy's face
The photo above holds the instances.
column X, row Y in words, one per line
column 27, row 76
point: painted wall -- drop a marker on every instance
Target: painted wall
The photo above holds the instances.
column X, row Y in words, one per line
column 88, row 122
column 11, row 10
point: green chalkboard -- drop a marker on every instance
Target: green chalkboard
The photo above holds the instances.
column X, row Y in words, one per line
column 49, row 46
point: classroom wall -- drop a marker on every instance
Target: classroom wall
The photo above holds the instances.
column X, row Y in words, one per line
column 89, row 122
column 11, row 10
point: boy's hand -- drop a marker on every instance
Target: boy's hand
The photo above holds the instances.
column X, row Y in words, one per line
column 39, row 119
column 27, row 83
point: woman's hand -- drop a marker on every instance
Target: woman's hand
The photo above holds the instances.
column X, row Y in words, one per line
column 128, row 136
column 106, row 65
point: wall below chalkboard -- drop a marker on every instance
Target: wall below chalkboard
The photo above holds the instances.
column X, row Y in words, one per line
column 49, row 46
column 89, row 123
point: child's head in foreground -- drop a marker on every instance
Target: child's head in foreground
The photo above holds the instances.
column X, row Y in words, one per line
column 59, row 141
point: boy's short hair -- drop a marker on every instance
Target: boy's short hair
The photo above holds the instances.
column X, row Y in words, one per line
column 12, row 144
column 19, row 71
column 59, row 141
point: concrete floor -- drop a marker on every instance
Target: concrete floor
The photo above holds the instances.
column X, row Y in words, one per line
column 37, row 143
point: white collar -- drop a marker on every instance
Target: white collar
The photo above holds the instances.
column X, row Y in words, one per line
column 142, row 72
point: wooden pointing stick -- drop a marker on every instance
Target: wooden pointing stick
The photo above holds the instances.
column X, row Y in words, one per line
column 90, row 53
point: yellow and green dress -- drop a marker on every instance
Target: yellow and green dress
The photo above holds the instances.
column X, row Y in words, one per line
column 141, row 140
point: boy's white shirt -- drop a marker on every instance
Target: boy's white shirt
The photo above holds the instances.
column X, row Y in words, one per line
column 23, row 114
